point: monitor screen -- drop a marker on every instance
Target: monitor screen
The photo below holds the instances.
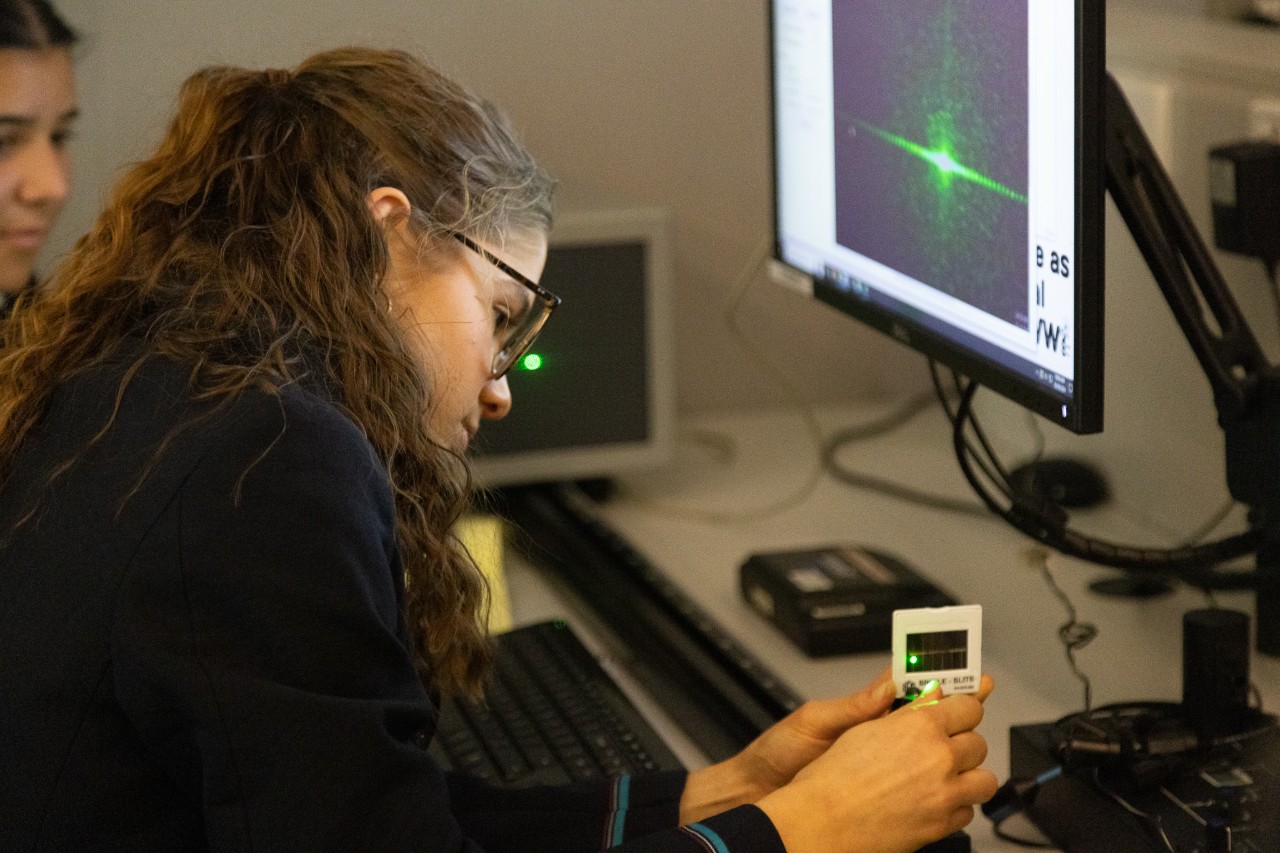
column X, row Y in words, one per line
column 939, row 175
column 595, row 395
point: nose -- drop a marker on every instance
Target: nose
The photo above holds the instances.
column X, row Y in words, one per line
column 46, row 177
column 495, row 399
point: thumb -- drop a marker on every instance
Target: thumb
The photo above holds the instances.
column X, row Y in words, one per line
column 829, row 718
column 876, row 698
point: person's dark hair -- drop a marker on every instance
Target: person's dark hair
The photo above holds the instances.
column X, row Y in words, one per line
column 244, row 247
column 33, row 25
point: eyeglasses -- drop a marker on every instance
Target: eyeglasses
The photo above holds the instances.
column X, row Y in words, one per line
column 525, row 328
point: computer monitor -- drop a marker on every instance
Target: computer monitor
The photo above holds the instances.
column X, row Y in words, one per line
column 595, row 396
column 939, row 174
column 940, row 171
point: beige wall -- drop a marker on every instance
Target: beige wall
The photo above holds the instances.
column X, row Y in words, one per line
column 658, row 102
column 664, row 102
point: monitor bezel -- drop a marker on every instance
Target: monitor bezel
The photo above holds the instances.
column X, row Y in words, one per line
column 1084, row 409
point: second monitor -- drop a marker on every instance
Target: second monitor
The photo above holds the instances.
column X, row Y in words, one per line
column 595, row 396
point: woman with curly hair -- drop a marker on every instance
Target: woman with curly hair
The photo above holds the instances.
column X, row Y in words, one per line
column 232, row 452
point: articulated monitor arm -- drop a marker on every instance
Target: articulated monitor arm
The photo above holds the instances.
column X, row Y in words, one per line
column 1246, row 387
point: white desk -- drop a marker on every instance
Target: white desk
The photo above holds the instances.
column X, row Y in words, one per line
column 669, row 516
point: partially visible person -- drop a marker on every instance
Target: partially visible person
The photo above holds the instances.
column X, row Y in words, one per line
column 232, row 439
column 37, row 112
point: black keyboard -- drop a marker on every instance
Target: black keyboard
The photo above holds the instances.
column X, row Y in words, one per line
column 722, row 696
column 551, row 715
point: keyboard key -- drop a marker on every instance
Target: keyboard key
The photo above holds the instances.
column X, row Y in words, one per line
column 551, row 715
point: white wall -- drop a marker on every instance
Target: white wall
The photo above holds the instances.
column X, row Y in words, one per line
column 660, row 102
column 664, row 102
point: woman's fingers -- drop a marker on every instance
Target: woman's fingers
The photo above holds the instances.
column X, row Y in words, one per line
column 969, row 749
column 977, row 786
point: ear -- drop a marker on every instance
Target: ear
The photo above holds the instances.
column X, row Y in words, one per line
column 389, row 206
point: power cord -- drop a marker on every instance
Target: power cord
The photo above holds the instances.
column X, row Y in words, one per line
column 1073, row 634
column 1206, row 529
column 1017, row 795
column 1013, row 798
column 1153, row 824
column 724, row 445
column 1047, row 523
column 874, row 429
column 998, row 830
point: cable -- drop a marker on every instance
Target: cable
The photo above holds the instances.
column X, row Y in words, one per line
column 994, row 472
column 883, row 424
column 1014, row 797
column 1073, row 633
column 903, row 493
column 741, row 287
column 1047, row 523
column 873, row 429
column 997, row 829
column 1154, row 824
column 722, row 446
column 1202, row 532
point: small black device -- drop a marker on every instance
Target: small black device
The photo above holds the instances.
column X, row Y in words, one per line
column 1244, row 187
column 1137, row 780
column 835, row 600
column 1068, row 482
column 1215, row 671
column 1156, row 776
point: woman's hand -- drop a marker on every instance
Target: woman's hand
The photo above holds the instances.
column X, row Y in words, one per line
column 890, row 785
column 773, row 759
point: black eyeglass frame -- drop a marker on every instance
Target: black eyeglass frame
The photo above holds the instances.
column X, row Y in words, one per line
column 523, row 336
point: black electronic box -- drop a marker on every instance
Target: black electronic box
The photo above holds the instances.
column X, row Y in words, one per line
column 835, row 600
column 1145, row 794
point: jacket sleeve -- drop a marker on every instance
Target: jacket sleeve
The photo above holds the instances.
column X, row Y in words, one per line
column 260, row 655
column 627, row 813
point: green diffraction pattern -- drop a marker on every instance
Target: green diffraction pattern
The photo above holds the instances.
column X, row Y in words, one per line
column 946, row 166
column 946, row 121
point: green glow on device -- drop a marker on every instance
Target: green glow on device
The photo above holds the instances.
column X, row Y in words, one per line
column 531, row 361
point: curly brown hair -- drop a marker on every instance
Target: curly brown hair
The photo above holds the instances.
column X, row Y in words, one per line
column 244, row 248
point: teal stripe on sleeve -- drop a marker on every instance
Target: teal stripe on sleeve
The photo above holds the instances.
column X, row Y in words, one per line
column 622, row 798
column 714, row 840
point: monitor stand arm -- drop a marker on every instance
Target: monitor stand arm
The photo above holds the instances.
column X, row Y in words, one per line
column 1246, row 387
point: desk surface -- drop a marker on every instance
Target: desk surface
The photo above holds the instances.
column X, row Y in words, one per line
column 698, row 520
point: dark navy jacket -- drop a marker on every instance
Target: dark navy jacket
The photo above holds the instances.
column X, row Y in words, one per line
column 201, row 648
